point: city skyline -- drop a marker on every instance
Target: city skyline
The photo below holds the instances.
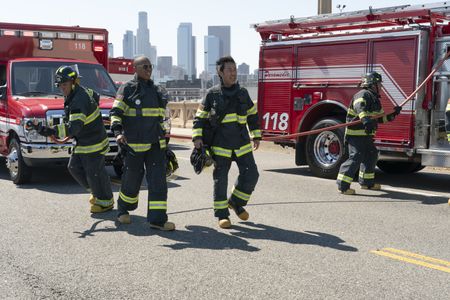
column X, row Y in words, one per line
column 164, row 18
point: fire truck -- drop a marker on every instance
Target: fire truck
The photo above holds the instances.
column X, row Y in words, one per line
column 309, row 69
column 29, row 57
column 121, row 69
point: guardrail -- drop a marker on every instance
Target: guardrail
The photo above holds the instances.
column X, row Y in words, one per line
column 182, row 112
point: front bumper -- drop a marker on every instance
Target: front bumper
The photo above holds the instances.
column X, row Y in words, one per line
column 43, row 154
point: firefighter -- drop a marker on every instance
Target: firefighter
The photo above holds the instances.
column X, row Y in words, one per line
column 363, row 154
column 229, row 109
column 136, row 117
column 83, row 122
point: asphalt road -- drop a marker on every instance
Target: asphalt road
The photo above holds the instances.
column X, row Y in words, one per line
column 303, row 239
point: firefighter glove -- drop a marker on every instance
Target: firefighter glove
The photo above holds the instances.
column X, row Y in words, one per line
column 44, row 130
column 369, row 125
column 396, row 112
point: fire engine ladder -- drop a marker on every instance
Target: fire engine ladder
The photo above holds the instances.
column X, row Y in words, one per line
column 373, row 17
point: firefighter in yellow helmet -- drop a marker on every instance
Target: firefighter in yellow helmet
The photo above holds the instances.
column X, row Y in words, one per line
column 363, row 154
column 229, row 109
column 137, row 122
column 83, row 122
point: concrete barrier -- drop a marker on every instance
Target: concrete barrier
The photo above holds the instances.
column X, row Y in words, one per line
column 182, row 113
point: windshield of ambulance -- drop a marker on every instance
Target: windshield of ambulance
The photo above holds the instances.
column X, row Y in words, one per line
column 36, row 78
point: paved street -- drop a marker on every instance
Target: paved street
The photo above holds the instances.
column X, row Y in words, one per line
column 303, row 239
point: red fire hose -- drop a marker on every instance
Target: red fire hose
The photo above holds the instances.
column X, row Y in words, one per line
column 295, row 135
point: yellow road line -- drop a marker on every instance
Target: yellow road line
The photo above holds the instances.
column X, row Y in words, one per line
column 410, row 260
column 422, row 257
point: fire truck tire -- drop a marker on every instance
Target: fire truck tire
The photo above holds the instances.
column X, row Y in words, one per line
column 19, row 172
column 326, row 151
column 399, row 167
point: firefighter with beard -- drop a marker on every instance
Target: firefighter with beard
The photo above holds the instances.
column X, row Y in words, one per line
column 363, row 154
column 83, row 122
column 230, row 109
column 136, row 118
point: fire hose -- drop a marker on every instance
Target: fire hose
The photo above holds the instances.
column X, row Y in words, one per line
column 316, row 131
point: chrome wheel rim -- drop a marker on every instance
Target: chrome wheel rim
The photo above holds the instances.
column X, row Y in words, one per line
column 327, row 148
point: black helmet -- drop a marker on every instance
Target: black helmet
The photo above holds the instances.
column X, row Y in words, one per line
column 171, row 163
column 64, row 74
column 201, row 158
column 370, row 79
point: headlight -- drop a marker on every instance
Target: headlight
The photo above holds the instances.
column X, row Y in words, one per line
column 32, row 135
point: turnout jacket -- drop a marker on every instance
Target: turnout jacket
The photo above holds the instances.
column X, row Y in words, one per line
column 138, row 113
column 83, row 122
column 231, row 110
column 364, row 104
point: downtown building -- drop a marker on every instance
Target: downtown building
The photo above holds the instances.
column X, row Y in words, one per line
column 186, row 46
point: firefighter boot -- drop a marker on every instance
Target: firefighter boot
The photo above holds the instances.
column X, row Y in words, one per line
column 224, row 223
column 167, row 226
column 239, row 210
column 375, row 187
column 95, row 208
column 348, row 192
column 92, row 199
column 124, row 218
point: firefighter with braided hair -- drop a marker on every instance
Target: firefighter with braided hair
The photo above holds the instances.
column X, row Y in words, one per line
column 363, row 154
column 83, row 122
column 137, row 122
column 229, row 109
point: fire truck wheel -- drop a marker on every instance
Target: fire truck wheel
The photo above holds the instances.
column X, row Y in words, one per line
column 326, row 151
column 19, row 172
column 399, row 167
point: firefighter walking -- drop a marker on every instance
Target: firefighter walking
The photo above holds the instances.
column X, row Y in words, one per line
column 363, row 154
column 229, row 108
column 136, row 117
column 83, row 122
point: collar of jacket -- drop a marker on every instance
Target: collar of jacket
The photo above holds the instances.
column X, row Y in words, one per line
column 232, row 90
column 69, row 98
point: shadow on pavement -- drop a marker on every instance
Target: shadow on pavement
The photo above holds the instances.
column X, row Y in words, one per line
column 423, row 181
column 266, row 232
column 198, row 237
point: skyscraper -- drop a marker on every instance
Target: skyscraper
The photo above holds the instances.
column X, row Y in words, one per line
column 223, row 33
column 185, row 49
column 164, row 66
column 128, row 44
column 143, row 35
column 212, row 53
column 243, row 69
column 110, row 50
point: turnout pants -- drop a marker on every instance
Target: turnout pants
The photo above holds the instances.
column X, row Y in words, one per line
column 89, row 171
column 243, row 188
column 363, row 155
column 152, row 163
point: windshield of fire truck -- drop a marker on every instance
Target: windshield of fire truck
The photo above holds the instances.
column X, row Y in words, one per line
column 36, row 78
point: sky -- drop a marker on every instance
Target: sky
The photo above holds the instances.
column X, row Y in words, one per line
column 165, row 16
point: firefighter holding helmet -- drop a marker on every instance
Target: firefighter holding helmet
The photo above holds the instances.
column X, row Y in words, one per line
column 83, row 122
column 137, row 122
column 362, row 152
column 229, row 109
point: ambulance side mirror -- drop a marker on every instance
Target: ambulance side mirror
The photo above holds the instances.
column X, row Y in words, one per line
column 3, row 92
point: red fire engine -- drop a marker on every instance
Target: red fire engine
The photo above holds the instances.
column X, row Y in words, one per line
column 29, row 57
column 121, row 69
column 309, row 69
